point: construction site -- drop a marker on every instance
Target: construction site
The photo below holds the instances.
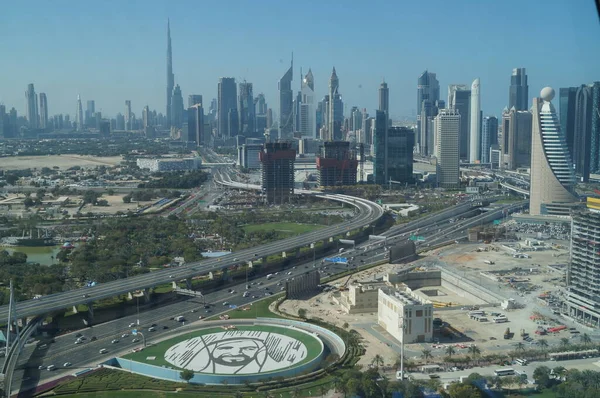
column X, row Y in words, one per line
column 277, row 159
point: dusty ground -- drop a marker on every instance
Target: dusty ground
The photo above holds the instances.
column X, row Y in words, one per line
column 115, row 204
column 62, row 161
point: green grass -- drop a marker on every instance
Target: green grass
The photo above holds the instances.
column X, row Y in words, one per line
column 259, row 309
column 130, row 394
column 312, row 344
column 283, row 227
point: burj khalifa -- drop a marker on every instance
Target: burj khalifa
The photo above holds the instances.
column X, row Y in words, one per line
column 170, row 75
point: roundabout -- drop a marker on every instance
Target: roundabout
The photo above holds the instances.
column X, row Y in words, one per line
column 236, row 352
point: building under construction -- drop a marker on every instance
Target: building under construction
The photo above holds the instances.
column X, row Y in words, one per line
column 277, row 160
column 336, row 164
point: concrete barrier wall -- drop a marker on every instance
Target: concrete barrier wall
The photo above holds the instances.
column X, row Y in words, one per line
column 466, row 288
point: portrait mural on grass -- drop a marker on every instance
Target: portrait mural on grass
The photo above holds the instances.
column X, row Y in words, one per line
column 237, row 352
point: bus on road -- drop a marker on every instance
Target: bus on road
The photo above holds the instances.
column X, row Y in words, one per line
column 504, row 372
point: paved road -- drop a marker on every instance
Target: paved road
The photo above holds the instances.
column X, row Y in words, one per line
column 368, row 212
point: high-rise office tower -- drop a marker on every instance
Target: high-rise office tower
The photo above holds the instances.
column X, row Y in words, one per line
column 393, row 161
column 286, row 104
column 196, row 124
column 333, row 91
column 447, row 131
column 32, row 107
column 583, row 286
column 379, row 136
column 90, row 110
column 4, row 126
column 356, row 119
column 384, row 98
column 227, row 101
column 177, row 108
column 452, row 88
column 146, row 116
column 567, row 114
column 552, row 187
column 233, row 123
column 260, row 112
column 296, row 108
column 260, row 104
column 269, row 118
column 119, row 122
column 43, row 111
column 461, row 102
column 595, row 147
column 518, row 96
column 583, row 132
column 516, row 139
column 128, row 115
column 428, row 89
column 247, row 117
column 475, row 125
column 79, row 114
column 170, row 75
column 194, row 99
column 489, row 137
column 336, row 164
column 308, row 111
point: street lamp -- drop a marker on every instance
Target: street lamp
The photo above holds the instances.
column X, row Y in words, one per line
column 312, row 246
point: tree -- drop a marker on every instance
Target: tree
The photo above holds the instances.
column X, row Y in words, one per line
column 238, row 394
column 475, row 351
column 302, row 313
column 450, row 350
column 28, row 202
column 462, row 390
column 586, row 339
column 541, row 375
column 564, row 342
column 345, row 325
column 543, row 343
column 520, row 346
column 426, row 355
column 377, row 361
column 323, row 390
column 186, row 375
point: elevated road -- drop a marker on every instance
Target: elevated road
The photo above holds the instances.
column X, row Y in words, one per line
column 514, row 188
column 367, row 213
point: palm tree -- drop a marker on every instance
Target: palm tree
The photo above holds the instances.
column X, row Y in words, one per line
column 564, row 342
column 377, row 361
column 426, row 355
column 450, row 350
column 586, row 339
column 543, row 346
column 520, row 346
column 474, row 351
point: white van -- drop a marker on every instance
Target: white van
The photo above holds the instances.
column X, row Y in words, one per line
column 103, row 351
column 51, row 367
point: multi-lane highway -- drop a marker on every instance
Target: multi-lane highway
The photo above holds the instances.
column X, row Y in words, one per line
column 367, row 212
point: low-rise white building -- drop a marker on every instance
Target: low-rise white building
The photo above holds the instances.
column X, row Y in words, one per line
column 168, row 164
column 400, row 306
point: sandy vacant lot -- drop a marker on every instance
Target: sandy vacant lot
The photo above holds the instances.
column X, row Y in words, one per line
column 62, row 161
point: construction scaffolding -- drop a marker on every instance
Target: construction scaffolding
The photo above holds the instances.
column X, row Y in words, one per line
column 277, row 160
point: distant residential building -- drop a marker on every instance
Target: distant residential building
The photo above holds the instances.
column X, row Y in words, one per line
column 567, row 114
column 447, row 130
column 79, row 115
column 194, row 99
column 31, row 111
column 336, row 164
column 195, row 124
column 405, row 315
column 552, row 187
column 461, row 102
column 519, row 90
column 308, row 112
column 246, row 109
column 249, row 156
column 177, row 108
column 489, row 137
column 516, row 139
column 583, row 288
column 428, row 89
column 277, row 168
column 43, row 111
column 166, row 164
column 226, row 102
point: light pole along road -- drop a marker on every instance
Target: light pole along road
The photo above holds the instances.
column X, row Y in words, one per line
column 368, row 212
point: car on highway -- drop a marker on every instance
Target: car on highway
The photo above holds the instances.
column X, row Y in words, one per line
column 103, row 351
column 41, row 367
column 165, row 327
column 51, row 367
column 67, row 364
column 78, row 341
column 225, row 303
column 114, row 341
column 125, row 335
column 135, row 340
column 151, row 329
column 132, row 324
column 94, row 338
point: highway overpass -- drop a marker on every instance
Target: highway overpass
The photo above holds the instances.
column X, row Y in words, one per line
column 515, row 188
column 368, row 212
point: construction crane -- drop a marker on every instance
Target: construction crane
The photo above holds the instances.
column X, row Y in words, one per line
column 345, row 285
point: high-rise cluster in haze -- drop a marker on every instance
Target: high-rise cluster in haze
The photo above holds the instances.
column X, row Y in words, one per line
column 449, row 132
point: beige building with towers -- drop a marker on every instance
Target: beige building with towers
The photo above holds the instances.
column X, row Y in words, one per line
column 552, row 188
column 398, row 307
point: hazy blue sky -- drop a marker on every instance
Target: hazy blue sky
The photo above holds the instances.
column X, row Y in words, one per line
column 115, row 50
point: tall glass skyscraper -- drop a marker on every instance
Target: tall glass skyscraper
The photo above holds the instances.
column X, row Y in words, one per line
column 226, row 101
column 518, row 95
column 32, row 106
column 489, row 137
column 246, row 109
column 286, row 104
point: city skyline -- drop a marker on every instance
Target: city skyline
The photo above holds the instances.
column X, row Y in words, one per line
column 142, row 79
